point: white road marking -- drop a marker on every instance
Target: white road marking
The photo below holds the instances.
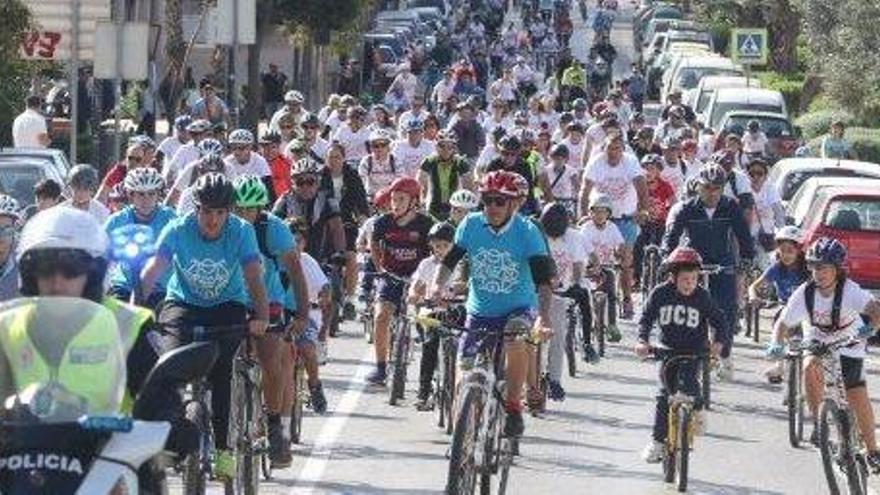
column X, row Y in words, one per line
column 320, row 455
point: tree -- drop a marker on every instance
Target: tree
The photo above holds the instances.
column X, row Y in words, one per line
column 177, row 50
column 844, row 37
column 15, row 23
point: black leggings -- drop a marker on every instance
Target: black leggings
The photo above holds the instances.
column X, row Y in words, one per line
column 428, row 364
column 178, row 319
column 650, row 233
column 581, row 297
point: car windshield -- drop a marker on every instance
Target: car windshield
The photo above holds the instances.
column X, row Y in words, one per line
column 720, row 109
column 690, row 77
column 84, row 375
column 794, row 180
column 858, row 214
column 773, row 127
column 18, row 182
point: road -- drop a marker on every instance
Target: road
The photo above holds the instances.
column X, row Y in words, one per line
column 589, row 442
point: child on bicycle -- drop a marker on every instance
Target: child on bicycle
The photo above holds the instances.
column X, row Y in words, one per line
column 830, row 305
column 784, row 276
column 661, row 197
column 683, row 310
column 604, row 241
column 381, row 202
column 440, row 238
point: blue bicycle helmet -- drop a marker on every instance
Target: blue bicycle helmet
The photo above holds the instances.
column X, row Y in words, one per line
column 211, row 148
column 826, row 251
column 182, row 121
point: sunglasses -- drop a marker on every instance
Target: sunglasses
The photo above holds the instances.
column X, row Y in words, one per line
column 305, row 182
column 495, row 201
column 134, row 159
column 239, row 147
column 379, row 144
column 286, row 126
column 145, row 194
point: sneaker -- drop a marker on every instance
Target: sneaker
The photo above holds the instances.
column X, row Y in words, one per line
column 348, row 311
column 513, row 424
column 700, row 423
column 873, row 460
column 555, row 391
column 284, row 460
column 318, row 400
column 725, row 370
column 277, row 445
column 628, row 311
column 377, row 377
column 425, row 404
column 322, row 352
column 613, row 333
column 653, row 452
column 774, row 374
column 814, row 436
column 223, row 466
column 590, row 354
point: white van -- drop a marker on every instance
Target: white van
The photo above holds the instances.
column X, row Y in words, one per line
column 688, row 72
column 753, row 99
column 699, row 97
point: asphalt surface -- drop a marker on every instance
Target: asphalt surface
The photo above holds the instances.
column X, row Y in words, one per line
column 589, row 442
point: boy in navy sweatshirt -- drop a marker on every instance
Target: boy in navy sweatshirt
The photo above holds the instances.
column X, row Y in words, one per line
column 683, row 310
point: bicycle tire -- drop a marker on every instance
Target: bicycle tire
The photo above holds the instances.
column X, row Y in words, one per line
column 794, row 402
column 570, row 355
column 399, row 353
column 296, row 409
column 843, row 454
column 462, row 475
column 491, row 448
column 193, row 475
column 601, row 324
column 706, row 381
column 448, row 384
column 506, row 459
column 755, row 318
column 245, row 402
column 368, row 327
column 670, row 446
column 682, row 457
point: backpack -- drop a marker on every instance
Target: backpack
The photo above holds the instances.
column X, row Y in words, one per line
column 810, row 296
column 261, row 226
column 370, row 165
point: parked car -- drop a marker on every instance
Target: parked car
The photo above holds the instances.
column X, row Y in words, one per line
column 670, row 58
column 688, row 72
column 18, row 177
column 797, row 208
column 789, row 174
column 850, row 214
column 742, row 99
column 51, row 155
column 781, row 137
column 698, row 98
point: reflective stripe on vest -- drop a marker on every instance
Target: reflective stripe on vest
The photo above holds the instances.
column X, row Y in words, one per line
column 130, row 320
column 92, row 365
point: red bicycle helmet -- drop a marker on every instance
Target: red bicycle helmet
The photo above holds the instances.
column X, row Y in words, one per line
column 500, row 182
column 406, row 185
column 382, row 198
column 683, row 256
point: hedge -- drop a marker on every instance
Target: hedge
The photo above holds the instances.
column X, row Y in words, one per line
column 790, row 85
column 816, row 124
column 865, row 142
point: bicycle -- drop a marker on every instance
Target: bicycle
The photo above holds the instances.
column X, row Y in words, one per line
column 301, row 396
column 478, row 446
column 844, row 455
column 572, row 339
column 444, row 380
column 680, row 431
column 400, row 349
column 334, row 274
column 650, row 268
column 710, row 363
column 600, row 303
column 752, row 308
column 367, row 320
column 795, row 399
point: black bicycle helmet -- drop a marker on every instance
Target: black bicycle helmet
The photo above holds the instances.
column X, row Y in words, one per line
column 554, row 219
column 214, row 190
column 559, row 150
column 443, row 231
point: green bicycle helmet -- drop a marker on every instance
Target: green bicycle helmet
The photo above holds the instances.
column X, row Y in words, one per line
column 250, row 192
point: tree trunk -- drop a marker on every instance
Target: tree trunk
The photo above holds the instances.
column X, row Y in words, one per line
column 812, row 87
column 171, row 86
column 784, row 24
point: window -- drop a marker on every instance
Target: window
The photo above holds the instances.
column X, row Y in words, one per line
column 860, row 214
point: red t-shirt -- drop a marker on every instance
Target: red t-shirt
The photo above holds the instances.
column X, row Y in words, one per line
column 661, row 196
column 280, row 167
column 115, row 175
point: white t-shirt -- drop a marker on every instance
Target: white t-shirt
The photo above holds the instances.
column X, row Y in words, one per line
column 96, row 209
column 355, row 143
column 506, row 90
column 364, row 235
column 410, row 158
column 742, row 182
column 256, row 166
column 616, row 181
column 755, row 143
column 316, row 280
column 595, row 135
column 765, row 199
column 184, row 155
column 673, row 175
column 186, row 203
column 566, row 251
column 603, row 242
column 488, row 154
column 185, row 178
column 490, row 123
column 378, row 175
column 854, row 301
column 27, row 127
column 426, row 271
column 168, row 147
column 565, row 187
column 320, row 147
column 575, row 152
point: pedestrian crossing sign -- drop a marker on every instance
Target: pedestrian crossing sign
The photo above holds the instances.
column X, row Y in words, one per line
column 749, row 46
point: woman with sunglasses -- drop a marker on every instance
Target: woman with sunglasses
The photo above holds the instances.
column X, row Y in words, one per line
column 10, row 217
column 138, row 154
column 769, row 214
column 243, row 160
column 143, row 187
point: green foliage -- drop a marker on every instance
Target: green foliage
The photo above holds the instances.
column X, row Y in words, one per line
column 321, row 15
column 865, row 143
column 815, row 124
column 790, row 85
column 15, row 22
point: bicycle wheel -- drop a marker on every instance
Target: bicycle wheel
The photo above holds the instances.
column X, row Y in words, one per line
column 399, row 350
column 754, row 315
column 447, row 393
column 682, row 456
column 245, row 402
column 836, row 449
column 368, row 326
column 706, row 381
column 569, row 350
column 601, row 324
column 195, row 465
column 296, row 409
column 462, row 476
column 491, row 448
column 508, row 446
column 794, row 401
column 671, row 446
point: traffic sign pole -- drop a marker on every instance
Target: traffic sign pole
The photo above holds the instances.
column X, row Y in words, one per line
column 74, row 80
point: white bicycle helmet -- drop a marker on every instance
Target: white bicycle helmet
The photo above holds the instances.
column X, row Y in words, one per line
column 144, row 179
column 9, row 207
column 305, row 166
column 241, row 137
column 600, row 200
column 464, row 198
column 789, row 233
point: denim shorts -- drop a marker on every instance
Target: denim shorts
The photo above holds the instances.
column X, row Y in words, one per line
column 483, row 334
column 628, row 229
column 389, row 290
column 309, row 335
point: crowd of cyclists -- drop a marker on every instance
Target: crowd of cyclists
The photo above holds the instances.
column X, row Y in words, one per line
column 518, row 187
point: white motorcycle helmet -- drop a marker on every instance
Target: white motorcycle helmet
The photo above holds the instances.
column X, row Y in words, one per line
column 66, row 240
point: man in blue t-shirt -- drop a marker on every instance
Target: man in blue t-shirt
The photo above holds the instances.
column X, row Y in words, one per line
column 215, row 264
column 143, row 187
column 279, row 253
column 509, row 279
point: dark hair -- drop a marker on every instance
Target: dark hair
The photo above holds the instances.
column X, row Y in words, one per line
column 34, row 101
column 800, row 264
column 47, row 188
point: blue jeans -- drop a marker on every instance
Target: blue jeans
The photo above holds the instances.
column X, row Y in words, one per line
column 628, row 229
column 723, row 289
